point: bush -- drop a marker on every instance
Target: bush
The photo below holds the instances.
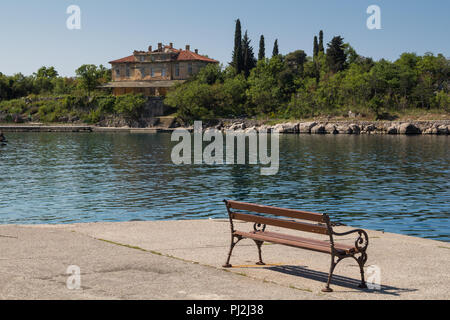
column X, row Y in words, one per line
column 129, row 105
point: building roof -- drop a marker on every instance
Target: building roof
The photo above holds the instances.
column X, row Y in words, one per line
column 186, row 55
column 183, row 55
column 126, row 59
column 142, row 84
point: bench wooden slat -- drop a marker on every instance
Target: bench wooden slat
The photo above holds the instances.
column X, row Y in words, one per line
column 338, row 246
column 281, row 223
column 290, row 213
column 290, row 243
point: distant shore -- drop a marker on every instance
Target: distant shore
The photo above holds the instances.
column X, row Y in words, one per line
column 416, row 127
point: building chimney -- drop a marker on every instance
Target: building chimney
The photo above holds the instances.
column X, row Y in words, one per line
column 188, row 47
column 171, row 45
column 160, row 47
column 150, row 49
column 196, row 51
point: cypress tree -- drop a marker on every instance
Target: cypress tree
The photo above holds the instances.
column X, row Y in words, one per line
column 237, row 62
column 262, row 48
column 336, row 56
column 316, row 47
column 248, row 55
column 275, row 52
column 321, row 48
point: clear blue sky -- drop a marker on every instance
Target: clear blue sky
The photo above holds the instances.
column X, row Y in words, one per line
column 33, row 33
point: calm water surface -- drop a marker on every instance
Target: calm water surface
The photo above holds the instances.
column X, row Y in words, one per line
column 393, row 183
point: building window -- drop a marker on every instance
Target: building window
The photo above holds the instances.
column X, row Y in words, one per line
column 128, row 71
column 177, row 70
column 117, row 72
column 163, row 72
column 152, row 71
column 190, row 69
column 143, row 72
column 141, row 58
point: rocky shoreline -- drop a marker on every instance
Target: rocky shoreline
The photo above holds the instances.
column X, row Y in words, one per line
column 429, row 127
column 437, row 127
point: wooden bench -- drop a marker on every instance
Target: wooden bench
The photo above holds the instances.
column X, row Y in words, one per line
column 317, row 223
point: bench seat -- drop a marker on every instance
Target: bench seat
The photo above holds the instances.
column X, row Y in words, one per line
column 297, row 242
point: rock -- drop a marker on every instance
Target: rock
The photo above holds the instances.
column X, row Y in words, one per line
column 369, row 128
column 442, row 130
column 237, row 127
column 306, row 127
column 392, row 130
column 331, row 129
column 344, row 129
column 251, row 130
column 355, row 129
column 267, row 129
column 286, row 128
column 408, row 128
column 318, row 129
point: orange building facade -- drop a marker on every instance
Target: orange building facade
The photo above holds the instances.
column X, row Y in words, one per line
column 153, row 72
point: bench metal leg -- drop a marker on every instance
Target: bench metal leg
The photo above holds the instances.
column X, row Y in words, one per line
column 233, row 244
column 330, row 276
column 259, row 245
column 362, row 261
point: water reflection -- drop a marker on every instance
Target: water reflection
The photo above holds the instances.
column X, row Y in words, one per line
column 394, row 183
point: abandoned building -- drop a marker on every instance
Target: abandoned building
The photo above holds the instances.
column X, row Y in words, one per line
column 153, row 72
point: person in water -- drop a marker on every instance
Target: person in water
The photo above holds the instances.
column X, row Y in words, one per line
column 2, row 137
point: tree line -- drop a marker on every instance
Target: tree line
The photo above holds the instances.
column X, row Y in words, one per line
column 46, row 81
column 334, row 81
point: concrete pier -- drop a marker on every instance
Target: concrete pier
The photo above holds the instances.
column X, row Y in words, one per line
column 182, row 260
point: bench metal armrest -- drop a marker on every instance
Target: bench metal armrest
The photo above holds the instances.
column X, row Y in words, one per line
column 361, row 243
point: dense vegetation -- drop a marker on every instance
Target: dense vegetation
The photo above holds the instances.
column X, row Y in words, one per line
column 47, row 97
column 333, row 82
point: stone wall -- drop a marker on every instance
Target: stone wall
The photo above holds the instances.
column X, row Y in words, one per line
column 439, row 127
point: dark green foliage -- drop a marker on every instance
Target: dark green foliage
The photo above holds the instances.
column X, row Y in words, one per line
column 316, row 47
column 129, row 105
column 262, row 48
column 336, row 56
column 248, row 55
column 296, row 60
column 90, row 77
column 275, row 51
column 296, row 86
column 321, row 47
column 238, row 62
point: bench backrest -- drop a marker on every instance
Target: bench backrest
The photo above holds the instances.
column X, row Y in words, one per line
column 321, row 228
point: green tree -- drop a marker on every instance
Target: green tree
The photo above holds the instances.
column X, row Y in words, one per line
column 248, row 55
column 316, row 47
column 296, row 60
column 264, row 93
column 238, row 61
column 262, row 48
column 275, row 51
column 44, row 79
column 336, row 56
column 321, row 47
column 89, row 77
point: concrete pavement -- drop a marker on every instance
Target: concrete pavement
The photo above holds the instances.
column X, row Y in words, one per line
column 182, row 260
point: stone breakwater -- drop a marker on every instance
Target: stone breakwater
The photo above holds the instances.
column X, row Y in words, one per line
column 438, row 127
